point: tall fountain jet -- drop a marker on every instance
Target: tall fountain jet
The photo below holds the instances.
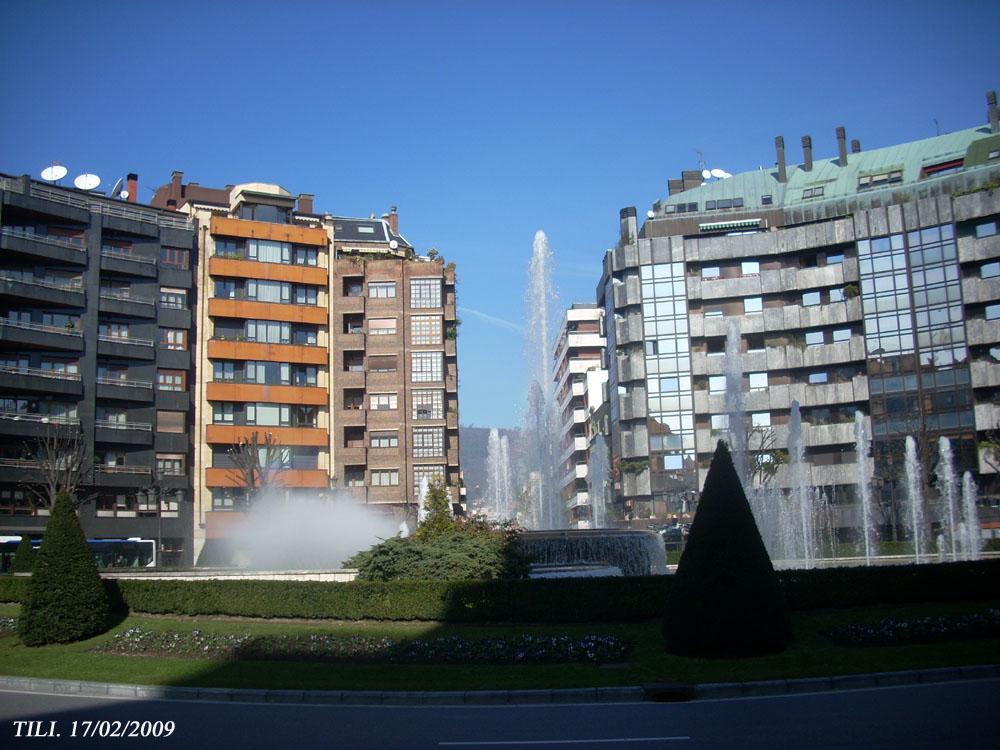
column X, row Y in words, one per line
column 734, row 400
column 598, row 468
column 541, row 428
column 499, row 482
column 862, row 445
column 801, row 497
column 948, row 487
column 915, row 496
column 970, row 519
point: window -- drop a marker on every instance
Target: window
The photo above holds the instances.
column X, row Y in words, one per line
column 269, row 291
column 174, row 338
column 761, row 419
column 766, row 200
column 173, row 298
column 986, row 229
column 834, row 259
column 353, row 287
column 710, row 272
column 56, row 366
column 992, row 312
column 223, row 370
column 426, row 367
column 171, row 380
column 385, row 477
column 990, row 270
column 425, row 293
column 381, row 289
column 758, row 381
column 264, row 212
column 837, row 295
column 268, row 331
column 174, row 257
column 720, row 421
column 750, row 267
column 709, row 205
column 171, row 421
column 428, row 404
column 304, row 256
column 753, row 305
column 225, row 288
column 813, row 192
column 269, row 415
column 425, row 329
column 382, row 326
column 306, row 295
column 304, row 375
column 382, row 401
column 716, row 383
column 170, row 464
column 814, row 338
column 810, row 298
column 113, row 330
column 382, row 363
column 755, row 342
column 842, row 334
column 817, row 377
column 430, row 473
column 428, row 442
column 384, row 440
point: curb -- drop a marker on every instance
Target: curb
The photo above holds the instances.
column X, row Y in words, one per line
column 660, row 693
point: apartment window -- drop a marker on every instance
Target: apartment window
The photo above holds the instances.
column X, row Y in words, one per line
column 986, row 229
column 425, row 293
column 720, row 421
column 430, row 473
column 382, row 363
column 223, row 370
column 761, row 419
column 755, row 342
column 758, row 381
column 426, row 367
column 306, row 295
column 992, row 312
column 268, row 331
column 750, row 267
column 814, row 338
column 766, row 200
column 428, row 442
column 810, row 298
column 814, row 192
column 753, row 305
column 990, row 270
column 382, row 401
column 717, row 384
column 354, row 287
column 269, row 291
column 222, row 412
column 382, row 326
column 173, row 298
column 174, row 257
column 837, row 295
column 428, row 404
column 225, row 289
column 113, row 330
column 834, row 259
column 384, row 440
column 269, row 415
column 841, row 334
column 381, row 289
column 815, row 378
column 174, row 338
column 170, row 464
column 264, row 212
column 171, row 421
column 171, row 380
column 425, row 329
column 385, row 477
column 304, row 376
column 711, row 272
column 58, row 366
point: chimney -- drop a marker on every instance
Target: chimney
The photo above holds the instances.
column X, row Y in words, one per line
column 394, row 220
column 855, row 146
column 171, row 204
column 842, row 145
column 305, row 203
column 779, row 146
column 675, row 186
column 629, row 225
column 991, row 104
column 807, row 153
column 176, row 188
column 133, row 187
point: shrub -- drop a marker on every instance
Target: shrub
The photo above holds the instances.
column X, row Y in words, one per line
column 65, row 599
column 439, row 519
column 725, row 599
column 24, row 557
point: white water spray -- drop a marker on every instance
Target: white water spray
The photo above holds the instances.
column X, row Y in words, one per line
column 862, row 445
column 970, row 519
column 948, row 487
column 915, row 496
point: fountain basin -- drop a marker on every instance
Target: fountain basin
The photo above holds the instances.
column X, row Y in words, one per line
column 633, row 552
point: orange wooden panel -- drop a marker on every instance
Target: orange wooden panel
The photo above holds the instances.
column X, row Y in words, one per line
column 227, row 434
column 310, row 355
column 238, row 308
column 215, row 477
column 264, row 230
column 252, row 269
column 269, row 394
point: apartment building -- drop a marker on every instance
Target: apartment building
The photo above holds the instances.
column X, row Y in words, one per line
column 328, row 333
column 580, row 375
column 96, row 298
column 869, row 281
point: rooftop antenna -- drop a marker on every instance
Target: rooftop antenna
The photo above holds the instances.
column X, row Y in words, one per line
column 116, row 191
column 937, row 127
column 87, row 181
column 54, row 172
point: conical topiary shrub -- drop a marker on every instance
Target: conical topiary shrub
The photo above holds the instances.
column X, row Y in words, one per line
column 65, row 599
column 725, row 599
column 24, row 557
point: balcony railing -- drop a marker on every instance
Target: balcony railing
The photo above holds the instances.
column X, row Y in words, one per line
column 120, row 254
column 48, row 282
column 48, row 239
column 20, row 463
column 124, row 340
column 125, row 382
column 238, row 337
column 20, row 416
column 125, row 296
column 103, row 468
column 124, row 211
column 112, row 424
column 28, row 326
column 36, row 372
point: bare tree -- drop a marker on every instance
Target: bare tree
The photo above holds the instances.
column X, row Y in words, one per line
column 763, row 458
column 989, row 448
column 64, row 461
column 256, row 463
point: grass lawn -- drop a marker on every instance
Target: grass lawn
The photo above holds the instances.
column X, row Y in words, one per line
column 809, row 655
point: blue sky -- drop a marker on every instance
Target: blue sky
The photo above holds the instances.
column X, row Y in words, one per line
column 482, row 121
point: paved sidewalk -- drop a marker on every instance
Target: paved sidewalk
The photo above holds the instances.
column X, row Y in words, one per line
column 664, row 692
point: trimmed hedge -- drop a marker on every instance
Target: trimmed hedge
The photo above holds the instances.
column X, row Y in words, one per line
column 558, row 600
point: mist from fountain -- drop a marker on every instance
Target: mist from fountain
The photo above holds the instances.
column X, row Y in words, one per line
column 862, row 446
column 800, row 539
column 541, row 432
column 734, row 400
column 499, row 481
column 972, row 541
column 423, row 490
column 915, row 497
column 598, row 467
column 948, row 487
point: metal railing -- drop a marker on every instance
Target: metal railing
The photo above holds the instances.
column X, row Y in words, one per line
column 20, row 463
column 125, row 297
column 124, row 340
column 112, row 424
column 125, row 382
column 41, row 373
column 68, row 331
column 48, row 239
column 20, row 416
column 124, row 211
column 49, row 282
column 120, row 254
column 105, row 469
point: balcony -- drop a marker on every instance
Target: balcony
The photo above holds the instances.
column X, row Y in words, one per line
column 45, row 289
column 219, row 348
column 117, row 260
column 254, row 310
column 275, row 394
column 114, row 431
column 123, row 476
column 24, row 424
column 39, row 335
column 226, row 434
column 298, row 235
column 350, row 305
column 980, row 331
column 985, row 374
column 352, row 418
column 49, row 247
column 122, row 303
column 249, row 268
column 125, row 389
column 126, row 347
column 45, row 381
column 357, row 455
column 219, row 477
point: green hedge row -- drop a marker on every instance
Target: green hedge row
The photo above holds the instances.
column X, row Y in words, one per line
column 562, row 600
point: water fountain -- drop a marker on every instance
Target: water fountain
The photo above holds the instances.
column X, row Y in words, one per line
column 862, row 446
column 598, row 469
column 422, row 491
column 970, row 518
column 499, row 482
column 737, row 431
column 948, row 487
column 801, row 533
column 915, row 497
column 629, row 552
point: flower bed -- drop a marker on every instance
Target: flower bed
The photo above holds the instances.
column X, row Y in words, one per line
column 897, row 632
column 524, row 649
column 8, row 625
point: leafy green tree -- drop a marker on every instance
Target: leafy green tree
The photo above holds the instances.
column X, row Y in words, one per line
column 24, row 557
column 65, row 598
column 725, row 599
column 439, row 519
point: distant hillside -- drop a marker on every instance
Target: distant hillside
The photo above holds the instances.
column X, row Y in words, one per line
column 473, row 447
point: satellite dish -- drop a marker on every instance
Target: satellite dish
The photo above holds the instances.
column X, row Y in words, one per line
column 706, row 173
column 393, row 244
column 719, row 173
column 650, row 214
column 54, row 172
column 87, row 181
column 726, row 175
column 117, row 188
column 123, row 195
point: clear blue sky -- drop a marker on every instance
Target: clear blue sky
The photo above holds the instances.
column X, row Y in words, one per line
column 482, row 121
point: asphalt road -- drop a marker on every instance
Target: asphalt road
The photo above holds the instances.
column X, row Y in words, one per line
column 946, row 715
